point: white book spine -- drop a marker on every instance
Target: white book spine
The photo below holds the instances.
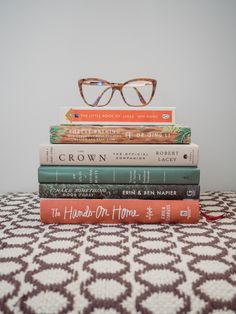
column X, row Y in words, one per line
column 119, row 154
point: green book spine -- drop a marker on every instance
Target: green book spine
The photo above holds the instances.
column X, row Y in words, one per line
column 119, row 175
column 126, row 134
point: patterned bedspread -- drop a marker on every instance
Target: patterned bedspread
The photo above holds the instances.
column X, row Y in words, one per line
column 117, row 268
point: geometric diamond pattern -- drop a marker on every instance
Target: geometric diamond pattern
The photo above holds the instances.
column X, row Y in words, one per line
column 117, row 268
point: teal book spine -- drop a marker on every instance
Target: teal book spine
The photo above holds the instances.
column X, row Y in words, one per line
column 118, row 175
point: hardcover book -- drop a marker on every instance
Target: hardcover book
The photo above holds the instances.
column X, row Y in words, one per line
column 122, row 116
column 118, row 175
column 119, row 154
column 94, row 134
column 117, row 191
column 73, row 211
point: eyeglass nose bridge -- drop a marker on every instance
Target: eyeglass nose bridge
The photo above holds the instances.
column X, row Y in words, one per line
column 116, row 86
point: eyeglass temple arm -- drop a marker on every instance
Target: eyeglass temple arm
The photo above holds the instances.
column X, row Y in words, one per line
column 105, row 90
column 140, row 96
column 98, row 99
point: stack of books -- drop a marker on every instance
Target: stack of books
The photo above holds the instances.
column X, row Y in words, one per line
column 119, row 166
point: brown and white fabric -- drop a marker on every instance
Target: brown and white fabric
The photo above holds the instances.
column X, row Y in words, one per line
column 166, row 269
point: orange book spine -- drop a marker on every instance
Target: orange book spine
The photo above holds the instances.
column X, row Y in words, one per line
column 113, row 211
column 111, row 116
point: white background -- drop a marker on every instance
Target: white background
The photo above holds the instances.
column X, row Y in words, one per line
column 188, row 46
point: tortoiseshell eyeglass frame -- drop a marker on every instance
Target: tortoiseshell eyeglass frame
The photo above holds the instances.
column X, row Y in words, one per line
column 114, row 87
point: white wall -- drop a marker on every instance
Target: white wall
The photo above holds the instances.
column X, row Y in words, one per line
column 188, row 45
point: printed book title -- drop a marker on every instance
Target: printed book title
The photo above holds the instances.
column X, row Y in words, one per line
column 116, row 213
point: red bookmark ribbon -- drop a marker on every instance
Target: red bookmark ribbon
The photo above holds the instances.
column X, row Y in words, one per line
column 212, row 218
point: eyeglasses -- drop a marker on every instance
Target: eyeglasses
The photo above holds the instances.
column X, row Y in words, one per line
column 136, row 93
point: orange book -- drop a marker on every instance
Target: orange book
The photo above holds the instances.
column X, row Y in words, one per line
column 113, row 211
column 112, row 116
